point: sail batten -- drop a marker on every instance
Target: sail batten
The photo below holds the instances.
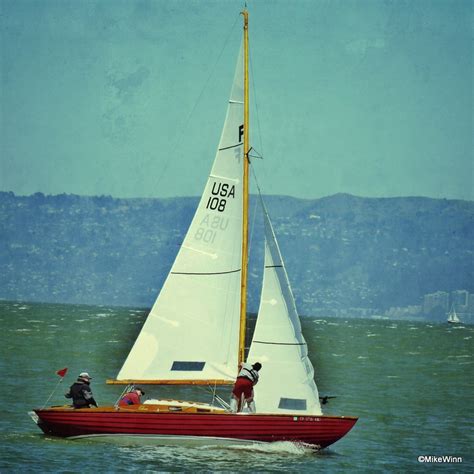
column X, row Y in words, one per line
column 206, row 273
column 230, row 146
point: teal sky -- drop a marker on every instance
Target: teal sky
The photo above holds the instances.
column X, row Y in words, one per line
column 127, row 98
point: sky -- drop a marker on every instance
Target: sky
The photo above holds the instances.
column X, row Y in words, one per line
column 127, row 97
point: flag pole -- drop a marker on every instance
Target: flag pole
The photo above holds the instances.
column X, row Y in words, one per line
column 61, row 374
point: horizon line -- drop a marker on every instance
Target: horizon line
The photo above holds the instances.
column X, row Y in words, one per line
column 251, row 194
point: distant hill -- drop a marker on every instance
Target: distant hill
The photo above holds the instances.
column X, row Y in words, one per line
column 341, row 251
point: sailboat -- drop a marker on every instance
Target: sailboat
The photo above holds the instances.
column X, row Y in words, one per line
column 452, row 316
column 195, row 331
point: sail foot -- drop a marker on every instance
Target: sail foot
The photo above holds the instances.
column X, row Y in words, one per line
column 169, row 382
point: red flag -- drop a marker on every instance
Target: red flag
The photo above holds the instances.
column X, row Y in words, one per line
column 62, row 372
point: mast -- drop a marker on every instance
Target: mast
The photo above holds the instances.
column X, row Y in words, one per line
column 245, row 206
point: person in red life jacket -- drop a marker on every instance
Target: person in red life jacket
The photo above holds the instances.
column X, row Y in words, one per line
column 132, row 398
column 81, row 393
column 243, row 388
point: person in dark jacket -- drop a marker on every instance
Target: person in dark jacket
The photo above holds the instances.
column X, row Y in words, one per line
column 242, row 392
column 81, row 393
column 132, row 398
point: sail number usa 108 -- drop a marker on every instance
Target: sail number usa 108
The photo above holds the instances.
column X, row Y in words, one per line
column 220, row 193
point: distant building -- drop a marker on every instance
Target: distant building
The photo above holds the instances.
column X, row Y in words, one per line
column 470, row 304
column 460, row 299
column 412, row 311
column 438, row 300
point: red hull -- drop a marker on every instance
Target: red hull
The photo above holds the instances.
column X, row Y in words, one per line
column 320, row 431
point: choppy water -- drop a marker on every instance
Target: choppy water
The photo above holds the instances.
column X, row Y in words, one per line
column 410, row 383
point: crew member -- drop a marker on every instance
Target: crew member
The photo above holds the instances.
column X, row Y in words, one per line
column 243, row 389
column 132, row 398
column 81, row 393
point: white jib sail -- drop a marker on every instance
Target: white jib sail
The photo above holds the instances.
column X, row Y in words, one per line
column 286, row 382
column 192, row 330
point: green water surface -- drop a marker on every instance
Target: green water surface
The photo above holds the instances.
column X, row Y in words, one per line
column 410, row 383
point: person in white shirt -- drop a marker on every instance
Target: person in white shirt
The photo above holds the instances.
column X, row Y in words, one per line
column 242, row 393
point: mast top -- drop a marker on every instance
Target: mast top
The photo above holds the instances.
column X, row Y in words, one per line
column 245, row 14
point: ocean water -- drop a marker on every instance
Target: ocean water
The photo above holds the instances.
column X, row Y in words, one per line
column 411, row 384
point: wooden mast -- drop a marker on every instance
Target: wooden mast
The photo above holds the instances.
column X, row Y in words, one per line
column 245, row 206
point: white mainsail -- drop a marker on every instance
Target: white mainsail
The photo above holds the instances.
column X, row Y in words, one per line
column 286, row 382
column 453, row 317
column 192, row 331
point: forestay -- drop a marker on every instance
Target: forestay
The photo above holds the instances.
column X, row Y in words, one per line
column 287, row 376
column 192, row 330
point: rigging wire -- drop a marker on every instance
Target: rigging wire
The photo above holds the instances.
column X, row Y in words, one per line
column 213, row 390
column 260, row 195
column 127, row 389
column 215, row 396
column 183, row 127
column 252, row 226
column 259, row 129
column 256, row 182
column 258, row 155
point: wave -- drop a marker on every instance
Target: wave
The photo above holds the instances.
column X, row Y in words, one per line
column 278, row 447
